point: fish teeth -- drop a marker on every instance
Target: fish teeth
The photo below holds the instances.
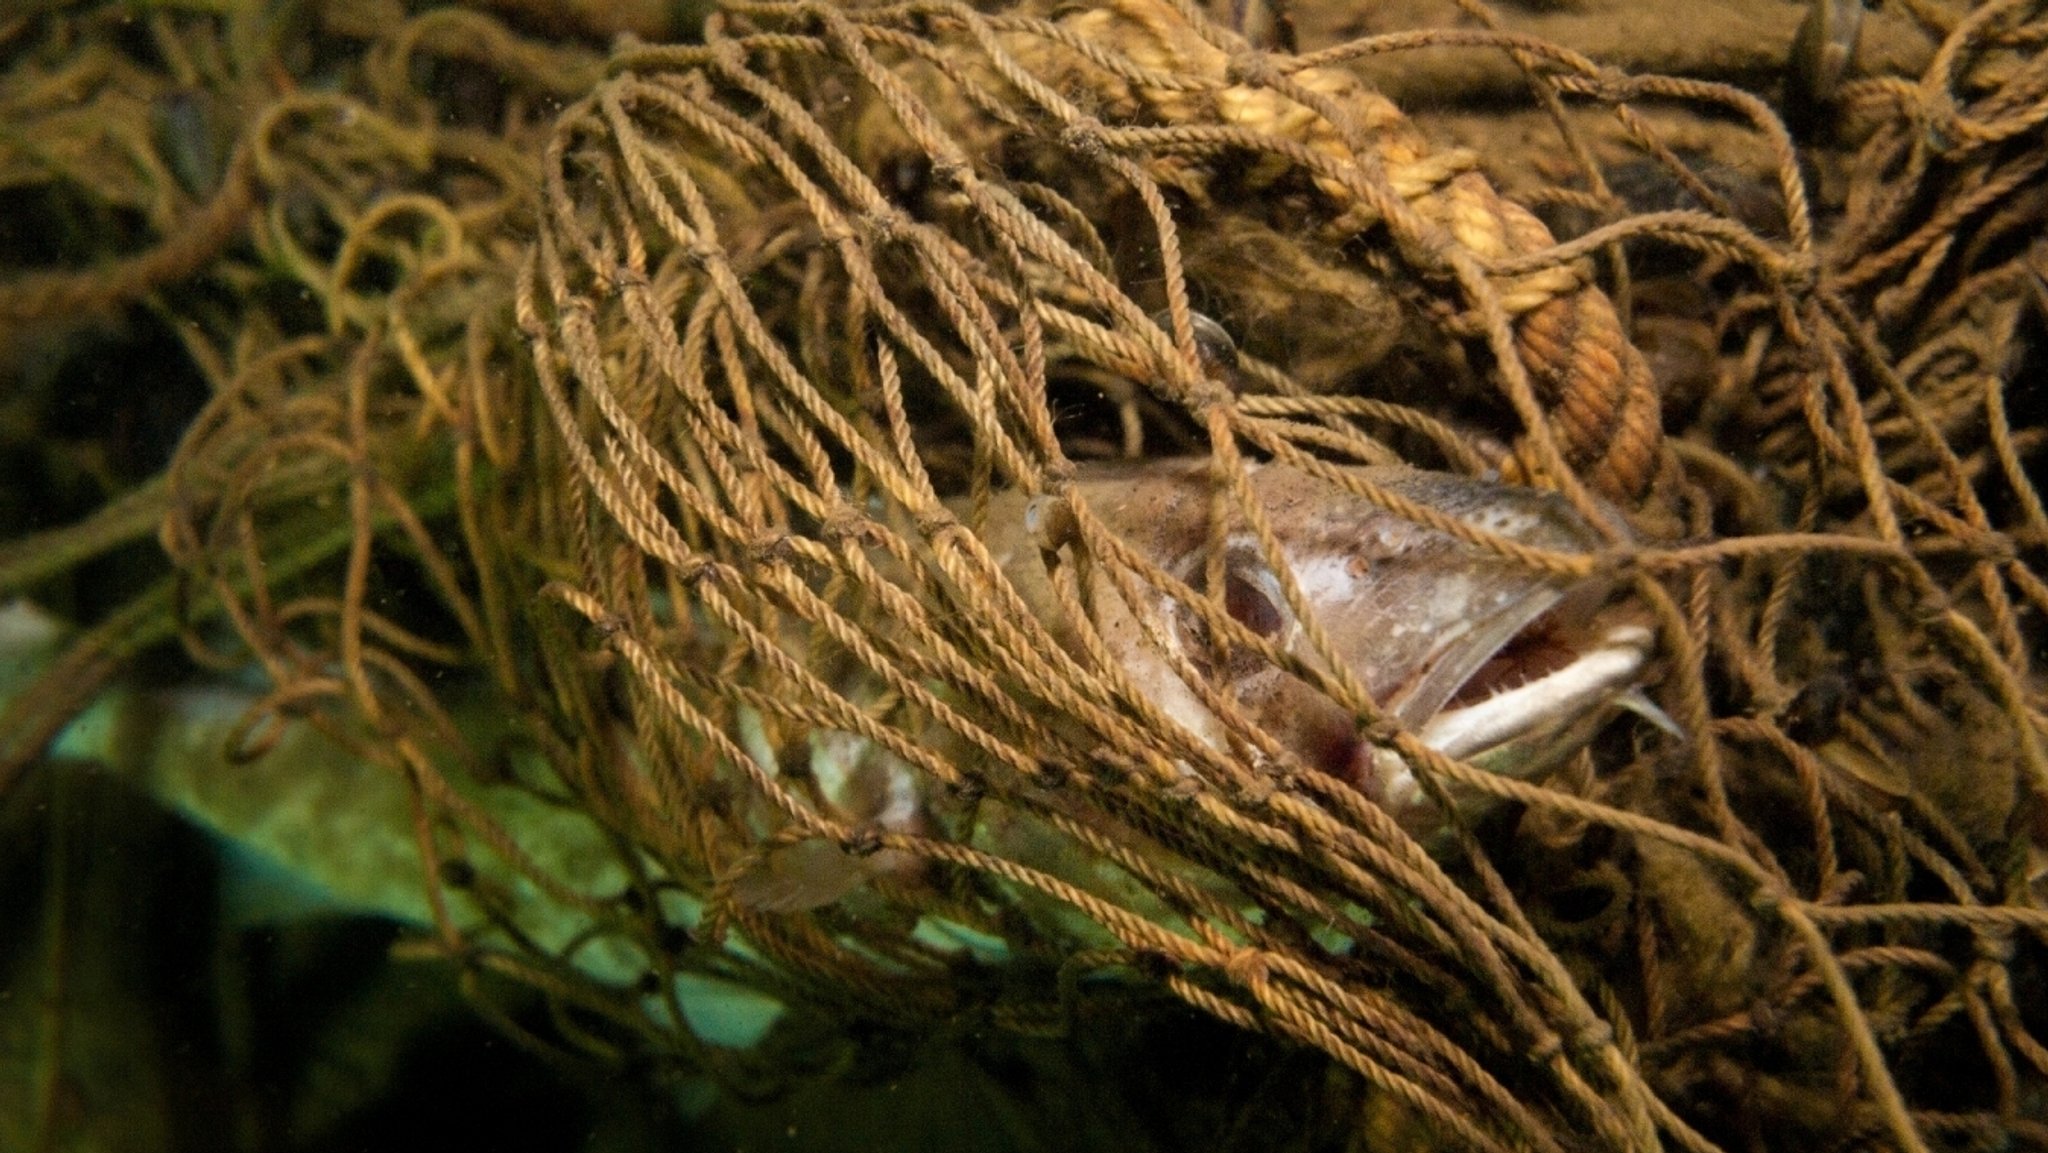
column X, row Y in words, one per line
column 1638, row 702
column 1602, row 675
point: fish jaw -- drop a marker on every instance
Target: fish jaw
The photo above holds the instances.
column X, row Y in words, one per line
column 1524, row 731
column 1511, row 718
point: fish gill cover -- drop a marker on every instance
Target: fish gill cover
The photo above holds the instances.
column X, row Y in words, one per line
column 926, row 516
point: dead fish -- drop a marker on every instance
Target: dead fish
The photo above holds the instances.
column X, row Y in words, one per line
column 1507, row 668
column 1487, row 660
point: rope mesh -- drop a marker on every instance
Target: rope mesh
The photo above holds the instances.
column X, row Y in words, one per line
column 742, row 424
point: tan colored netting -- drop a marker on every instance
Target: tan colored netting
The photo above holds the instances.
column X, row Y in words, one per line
column 772, row 364
column 802, row 304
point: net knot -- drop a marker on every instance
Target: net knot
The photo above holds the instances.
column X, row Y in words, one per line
column 1379, row 731
column 1057, row 474
column 576, row 308
column 1618, row 564
column 529, row 323
column 1798, row 273
column 1934, row 113
column 697, row 570
column 1608, row 78
column 625, row 277
column 1592, row 1036
column 1252, row 69
column 1258, row 792
column 1995, row 946
column 846, row 525
column 950, row 173
column 1084, row 138
column 1204, row 397
column 885, row 224
column 771, row 549
column 1928, row 609
column 935, row 522
column 1993, row 547
column 863, row 840
column 1764, row 1018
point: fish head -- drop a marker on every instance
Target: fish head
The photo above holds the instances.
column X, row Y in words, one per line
column 1489, row 660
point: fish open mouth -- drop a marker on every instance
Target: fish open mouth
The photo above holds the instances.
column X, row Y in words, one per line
column 1524, row 664
column 1497, row 663
column 1538, row 681
column 1515, row 706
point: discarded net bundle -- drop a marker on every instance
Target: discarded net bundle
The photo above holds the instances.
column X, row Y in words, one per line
column 777, row 420
column 345, row 297
column 806, row 295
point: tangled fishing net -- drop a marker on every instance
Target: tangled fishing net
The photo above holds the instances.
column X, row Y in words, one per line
column 705, row 398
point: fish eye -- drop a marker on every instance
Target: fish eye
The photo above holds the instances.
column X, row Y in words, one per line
column 1247, row 601
column 1251, row 596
